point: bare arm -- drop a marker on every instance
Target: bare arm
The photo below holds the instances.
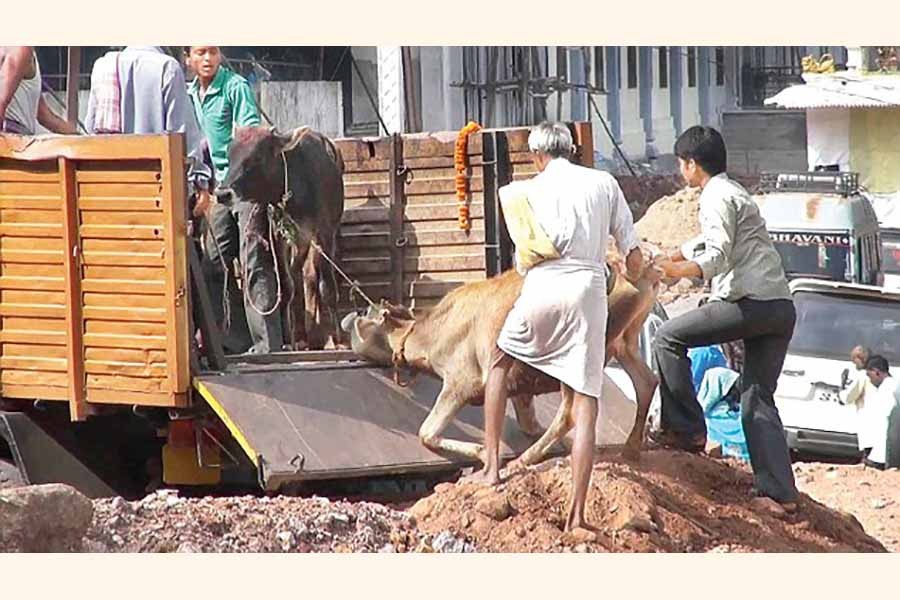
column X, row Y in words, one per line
column 622, row 229
column 50, row 120
column 16, row 63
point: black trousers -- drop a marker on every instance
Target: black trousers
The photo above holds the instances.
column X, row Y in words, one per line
column 766, row 328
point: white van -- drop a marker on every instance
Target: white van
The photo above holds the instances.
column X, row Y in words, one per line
column 832, row 318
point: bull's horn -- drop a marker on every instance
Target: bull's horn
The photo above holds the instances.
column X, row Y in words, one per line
column 347, row 322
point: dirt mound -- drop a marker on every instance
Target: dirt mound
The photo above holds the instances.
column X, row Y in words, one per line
column 671, row 502
column 671, row 220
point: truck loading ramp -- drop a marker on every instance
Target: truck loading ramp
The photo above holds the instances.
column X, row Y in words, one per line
column 342, row 420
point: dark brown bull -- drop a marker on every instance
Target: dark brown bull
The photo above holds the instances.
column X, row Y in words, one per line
column 301, row 176
column 455, row 341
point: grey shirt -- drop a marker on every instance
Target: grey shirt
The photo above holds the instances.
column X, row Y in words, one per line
column 734, row 250
column 154, row 99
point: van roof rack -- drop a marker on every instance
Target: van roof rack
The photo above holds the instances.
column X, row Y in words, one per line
column 843, row 183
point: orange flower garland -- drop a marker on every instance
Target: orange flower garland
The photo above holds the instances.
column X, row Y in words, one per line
column 460, row 161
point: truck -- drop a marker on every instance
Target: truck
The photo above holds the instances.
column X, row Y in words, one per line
column 103, row 383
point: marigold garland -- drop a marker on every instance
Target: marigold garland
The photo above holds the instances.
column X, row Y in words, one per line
column 460, row 161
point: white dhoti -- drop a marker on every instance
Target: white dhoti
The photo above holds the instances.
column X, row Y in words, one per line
column 558, row 323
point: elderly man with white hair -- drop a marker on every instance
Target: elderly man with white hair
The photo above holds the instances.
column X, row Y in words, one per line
column 558, row 323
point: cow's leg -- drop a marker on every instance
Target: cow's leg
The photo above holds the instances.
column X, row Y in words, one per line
column 311, row 299
column 525, row 417
column 645, row 382
column 449, row 403
column 559, row 427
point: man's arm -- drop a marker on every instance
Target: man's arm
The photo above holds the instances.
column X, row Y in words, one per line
column 15, row 64
column 243, row 104
column 717, row 222
column 180, row 118
column 51, row 121
column 622, row 229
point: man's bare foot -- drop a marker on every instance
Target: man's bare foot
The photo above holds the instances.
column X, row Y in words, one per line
column 631, row 453
column 580, row 535
column 483, row 477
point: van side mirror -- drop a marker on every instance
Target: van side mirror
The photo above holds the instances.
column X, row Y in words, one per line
column 845, row 378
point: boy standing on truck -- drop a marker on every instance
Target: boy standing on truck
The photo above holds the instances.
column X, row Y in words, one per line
column 224, row 100
column 750, row 300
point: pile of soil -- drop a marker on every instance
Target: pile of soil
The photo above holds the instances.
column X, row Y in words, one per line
column 670, row 502
column 671, row 220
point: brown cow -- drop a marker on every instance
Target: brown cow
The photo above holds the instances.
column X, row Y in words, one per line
column 455, row 340
column 262, row 165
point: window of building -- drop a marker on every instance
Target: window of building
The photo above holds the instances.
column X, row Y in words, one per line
column 720, row 65
column 631, row 60
column 663, row 66
column 692, row 66
column 599, row 68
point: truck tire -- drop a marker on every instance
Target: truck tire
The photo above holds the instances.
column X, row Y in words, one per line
column 9, row 474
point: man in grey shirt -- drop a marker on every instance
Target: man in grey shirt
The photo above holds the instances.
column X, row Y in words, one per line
column 750, row 301
column 150, row 97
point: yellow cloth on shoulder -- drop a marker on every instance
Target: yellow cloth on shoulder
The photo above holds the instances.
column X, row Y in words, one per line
column 532, row 243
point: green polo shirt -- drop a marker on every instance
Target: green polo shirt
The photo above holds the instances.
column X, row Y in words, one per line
column 228, row 103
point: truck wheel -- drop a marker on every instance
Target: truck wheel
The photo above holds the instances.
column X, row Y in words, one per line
column 9, row 474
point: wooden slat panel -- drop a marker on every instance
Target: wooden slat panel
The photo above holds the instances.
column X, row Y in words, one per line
column 20, row 377
column 131, row 301
column 21, row 363
column 30, row 230
column 30, row 392
column 26, row 203
column 151, row 372
column 112, row 286
column 155, row 315
column 25, row 310
column 115, row 396
column 135, row 191
column 33, row 351
column 121, row 217
column 121, row 233
column 101, row 327
column 49, row 338
column 55, row 284
column 32, row 188
column 32, row 297
column 135, row 205
column 138, row 356
column 20, row 270
column 126, row 383
column 126, row 341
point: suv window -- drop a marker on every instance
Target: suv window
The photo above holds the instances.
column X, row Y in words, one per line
column 891, row 256
column 830, row 325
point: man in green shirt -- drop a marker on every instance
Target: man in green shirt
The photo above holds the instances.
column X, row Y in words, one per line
column 224, row 100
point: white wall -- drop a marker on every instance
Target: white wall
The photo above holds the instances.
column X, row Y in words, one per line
column 634, row 139
column 315, row 104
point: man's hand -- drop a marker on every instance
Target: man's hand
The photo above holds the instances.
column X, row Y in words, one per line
column 203, row 204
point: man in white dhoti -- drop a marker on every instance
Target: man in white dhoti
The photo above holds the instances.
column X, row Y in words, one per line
column 558, row 324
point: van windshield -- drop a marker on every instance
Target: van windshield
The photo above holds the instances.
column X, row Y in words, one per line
column 816, row 260
column 830, row 325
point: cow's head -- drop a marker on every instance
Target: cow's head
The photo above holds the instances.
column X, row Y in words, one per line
column 255, row 165
column 372, row 335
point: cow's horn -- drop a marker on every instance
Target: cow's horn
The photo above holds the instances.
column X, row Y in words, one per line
column 347, row 322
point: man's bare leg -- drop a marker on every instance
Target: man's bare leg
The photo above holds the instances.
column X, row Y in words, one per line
column 585, row 414
column 494, row 414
